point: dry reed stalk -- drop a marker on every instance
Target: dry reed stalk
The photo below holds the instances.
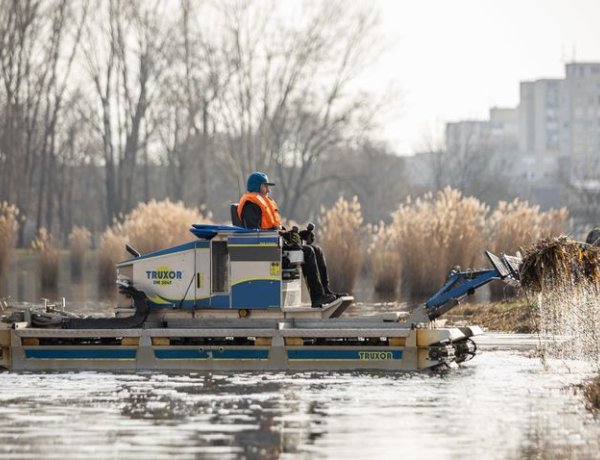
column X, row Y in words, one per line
column 341, row 236
column 8, row 231
column 79, row 240
column 436, row 232
column 49, row 258
column 149, row 227
column 385, row 261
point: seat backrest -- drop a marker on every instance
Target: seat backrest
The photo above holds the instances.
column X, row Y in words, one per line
column 235, row 219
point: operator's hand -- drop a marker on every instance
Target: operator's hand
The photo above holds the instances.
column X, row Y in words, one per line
column 308, row 236
column 292, row 238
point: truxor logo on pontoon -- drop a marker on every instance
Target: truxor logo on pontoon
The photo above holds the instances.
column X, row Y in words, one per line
column 163, row 275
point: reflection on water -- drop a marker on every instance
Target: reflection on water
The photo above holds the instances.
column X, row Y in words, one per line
column 22, row 284
column 500, row 405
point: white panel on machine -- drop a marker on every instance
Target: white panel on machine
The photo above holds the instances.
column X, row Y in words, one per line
column 165, row 279
column 202, row 273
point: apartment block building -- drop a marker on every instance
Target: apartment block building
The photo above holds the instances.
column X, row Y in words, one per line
column 553, row 135
column 539, row 129
column 580, row 121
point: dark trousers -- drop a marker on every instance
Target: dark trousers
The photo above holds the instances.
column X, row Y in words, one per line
column 315, row 271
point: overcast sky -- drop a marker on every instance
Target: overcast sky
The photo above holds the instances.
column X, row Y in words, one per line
column 454, row 59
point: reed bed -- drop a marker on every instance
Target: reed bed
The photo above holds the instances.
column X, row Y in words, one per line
column 341, row 236
column 149, row 227
column 385, row 261
column 49, row 257
column 79, row 242
column 434, row 233
column 110, row 251
column 8, row 232
column 516, row 225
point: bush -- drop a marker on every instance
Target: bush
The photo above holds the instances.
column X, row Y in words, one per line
column 8, row 231
column 79, row 240
column 49, row 258
column 149, row 227
column 341, row 238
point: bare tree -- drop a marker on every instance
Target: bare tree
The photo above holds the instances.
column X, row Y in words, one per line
column 287, row 97
column 125, row 55
column 38, row 46
column 185, row 118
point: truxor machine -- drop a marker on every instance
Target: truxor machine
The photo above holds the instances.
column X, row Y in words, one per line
column 234, row 300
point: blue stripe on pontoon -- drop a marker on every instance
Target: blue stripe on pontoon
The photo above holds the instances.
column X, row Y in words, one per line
column 340, row 354
column 41, row 353
column 214, row 354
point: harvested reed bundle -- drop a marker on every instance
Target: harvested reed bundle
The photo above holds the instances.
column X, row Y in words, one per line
column 564, row 277
column 557, row 263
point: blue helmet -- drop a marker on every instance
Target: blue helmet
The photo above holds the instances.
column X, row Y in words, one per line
column 255, row 180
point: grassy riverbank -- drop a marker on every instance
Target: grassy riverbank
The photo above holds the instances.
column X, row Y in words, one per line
column 516, row 316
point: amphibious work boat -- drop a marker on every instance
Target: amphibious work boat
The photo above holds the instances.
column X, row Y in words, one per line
column 234, row 300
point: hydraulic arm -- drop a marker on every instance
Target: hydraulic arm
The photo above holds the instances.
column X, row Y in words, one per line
column 462, row 283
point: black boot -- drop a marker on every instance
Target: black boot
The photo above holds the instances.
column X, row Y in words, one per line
column 319, row 301
column 336, row 294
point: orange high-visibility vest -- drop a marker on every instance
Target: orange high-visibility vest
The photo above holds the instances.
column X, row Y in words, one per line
column 270, row 214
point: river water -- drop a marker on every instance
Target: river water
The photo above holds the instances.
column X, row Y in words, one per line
column 503, row 404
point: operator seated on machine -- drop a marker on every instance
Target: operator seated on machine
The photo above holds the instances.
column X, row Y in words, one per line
column 256, row 209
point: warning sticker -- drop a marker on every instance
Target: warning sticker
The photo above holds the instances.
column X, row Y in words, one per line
column 275, row 268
